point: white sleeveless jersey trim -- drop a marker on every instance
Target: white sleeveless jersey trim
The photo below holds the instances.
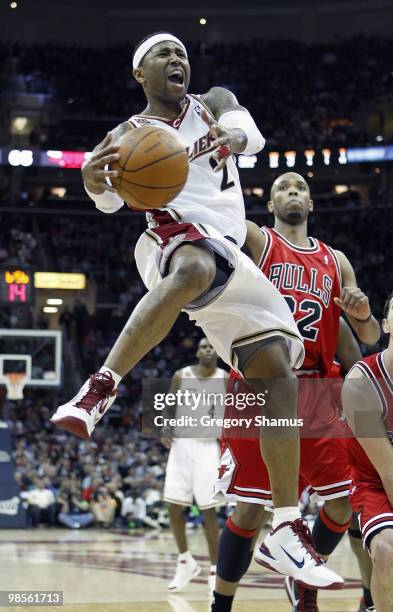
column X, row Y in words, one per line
column 336, row 263
column 369, row 374
column 187, row 372
column 208, row 197
column 383, row 369
column 314, row 248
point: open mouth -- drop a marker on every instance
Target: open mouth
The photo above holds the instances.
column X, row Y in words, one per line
column 176, row 77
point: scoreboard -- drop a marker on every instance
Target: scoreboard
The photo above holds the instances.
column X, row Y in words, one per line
column 16, row 287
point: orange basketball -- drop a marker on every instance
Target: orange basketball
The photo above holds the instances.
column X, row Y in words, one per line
column 153, row 167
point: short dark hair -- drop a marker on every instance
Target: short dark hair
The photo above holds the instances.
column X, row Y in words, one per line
column 140, row 42
column 387, row 306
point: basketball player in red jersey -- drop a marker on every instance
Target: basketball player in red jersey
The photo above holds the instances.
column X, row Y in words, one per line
column 318, row 283
column 367, row 398
column 190, row 259
column 347, row 354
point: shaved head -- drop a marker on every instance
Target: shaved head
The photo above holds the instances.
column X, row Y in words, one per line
column 290, row 199
column 291, row 176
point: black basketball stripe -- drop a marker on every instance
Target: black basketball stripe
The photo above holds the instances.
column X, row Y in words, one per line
column 151, row 186
column 152, row 130
column 153, row 162
column 132, row 195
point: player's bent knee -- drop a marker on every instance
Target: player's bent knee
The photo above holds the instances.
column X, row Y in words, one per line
column 248, row 516
column 339, row 510
column 270, row 362
column 382, row 556
column 194, row 276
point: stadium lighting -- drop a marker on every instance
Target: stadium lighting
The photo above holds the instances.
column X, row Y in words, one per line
column 14, row 5
column 309, row 154
column 20, row 123
column 20, row 158
column 247, row 161
column 258, row 191
column 59, row 192
column 274, row 157
column 341, row 188
column 326, row 156
column 55, row 154
column 202, row 21
column 50, row 309
column 54, row 301
column 343, row 156
column 290, row 156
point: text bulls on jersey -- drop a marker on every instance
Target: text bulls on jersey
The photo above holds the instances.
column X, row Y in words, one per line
column 291, row 276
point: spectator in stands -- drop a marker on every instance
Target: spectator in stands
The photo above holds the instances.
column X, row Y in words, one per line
column 103, row 507
column 74, row 511
column 41, row 504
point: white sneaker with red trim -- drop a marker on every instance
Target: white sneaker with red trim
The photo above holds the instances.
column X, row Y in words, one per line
column 289, row 550
column 186, row 570
column 81, row 414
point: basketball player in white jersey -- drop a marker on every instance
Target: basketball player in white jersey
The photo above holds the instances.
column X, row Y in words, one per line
column 189, row 259
column 192, row 466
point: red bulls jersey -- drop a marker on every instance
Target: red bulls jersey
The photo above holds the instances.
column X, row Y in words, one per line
column 373, row 367
column 309, row 279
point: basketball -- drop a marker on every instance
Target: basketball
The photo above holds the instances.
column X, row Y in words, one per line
column 153, row 167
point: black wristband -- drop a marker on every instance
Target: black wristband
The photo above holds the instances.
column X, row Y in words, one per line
column 364, row 320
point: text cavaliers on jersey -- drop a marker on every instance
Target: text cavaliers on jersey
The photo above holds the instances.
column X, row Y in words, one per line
column 309, row 279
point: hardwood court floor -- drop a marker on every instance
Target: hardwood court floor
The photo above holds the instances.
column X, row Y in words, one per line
column 100, row 571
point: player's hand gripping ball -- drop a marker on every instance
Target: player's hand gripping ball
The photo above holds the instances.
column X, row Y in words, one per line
column 152, row 167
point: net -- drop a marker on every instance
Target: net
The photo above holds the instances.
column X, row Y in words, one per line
column 15, row 382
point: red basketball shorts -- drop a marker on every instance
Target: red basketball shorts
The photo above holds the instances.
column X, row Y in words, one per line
column 324, row 465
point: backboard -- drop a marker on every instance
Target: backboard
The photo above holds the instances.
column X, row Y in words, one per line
column 36, row 352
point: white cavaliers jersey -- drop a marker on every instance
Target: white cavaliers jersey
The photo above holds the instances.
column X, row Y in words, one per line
column 208, row 197
column 206, row 398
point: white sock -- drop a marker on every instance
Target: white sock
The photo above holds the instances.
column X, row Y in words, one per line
column 186, row 556
column 282, row 515
column 116, row 377
column 213, row 569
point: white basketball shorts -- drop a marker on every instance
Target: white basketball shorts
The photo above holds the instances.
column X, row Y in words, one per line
column 247, row 309
column 191, row 472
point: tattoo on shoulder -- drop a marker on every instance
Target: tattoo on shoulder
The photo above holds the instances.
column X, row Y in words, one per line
column 121, row 129
column 220, row 101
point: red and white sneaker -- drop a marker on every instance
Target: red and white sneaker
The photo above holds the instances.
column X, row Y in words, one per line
column 186, row 570
column 289, row 550
column 80, row 415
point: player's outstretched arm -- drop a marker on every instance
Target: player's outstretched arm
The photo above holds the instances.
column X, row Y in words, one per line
column 232, row 126
column 364, row 415
column 96, row 175
column 355, row 304
column 255, row 241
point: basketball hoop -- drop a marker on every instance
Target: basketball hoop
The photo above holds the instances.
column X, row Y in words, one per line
column 14, row 381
